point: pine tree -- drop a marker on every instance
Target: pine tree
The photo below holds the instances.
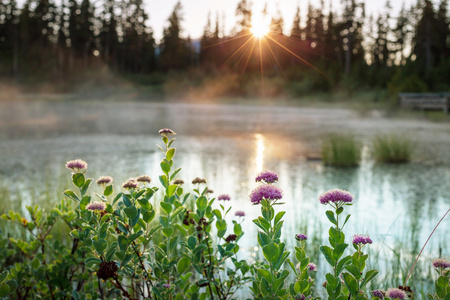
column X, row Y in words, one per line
column 296, row 30
column 244, row 15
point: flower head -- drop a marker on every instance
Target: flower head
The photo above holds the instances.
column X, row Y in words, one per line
column 336, row 195
column 107, row 270
column 178, row 181
column 103, row 181
column 360, row 239
column 166, row 132
column 312, row 267
column 441, row 263
column 166, row 285
column 131, row 183
column 239, row 213
column 377, row 293
column 144, row 179
column 198, row 180
column 231, row 238
column 301, row 237
column 77, row 165
column 224, row 197
column 209, row 191
column 394, row 293
column 267, row 177
column 266, row 191
column 96, row 205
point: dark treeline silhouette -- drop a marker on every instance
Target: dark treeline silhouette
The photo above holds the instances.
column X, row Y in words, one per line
column 409, row 51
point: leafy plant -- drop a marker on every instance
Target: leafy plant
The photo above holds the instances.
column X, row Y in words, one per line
column 392, row 149
column 340, row 151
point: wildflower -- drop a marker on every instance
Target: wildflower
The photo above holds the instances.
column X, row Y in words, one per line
column 96, row 205
column 198, row 180
column 378, row 293
column 103, row 181
column 267, row 177
column 394, row 293
column 144, row 179
column 131, row 183
column 266, row 191
column 361, row 240
column 166, row 131
column 301, row 237
column 166, row 285
column 312, row 267
column 231, row 238
column 239, row 213
column 77, row 165
column 224, row 197
column 24, row 222
column 107, row 270
column 441, row 263
column 336, row 196
column 209, row 191
column 178, row 181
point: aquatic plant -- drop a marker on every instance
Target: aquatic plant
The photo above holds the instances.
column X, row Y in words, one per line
column 340, row 151
column 392, row 149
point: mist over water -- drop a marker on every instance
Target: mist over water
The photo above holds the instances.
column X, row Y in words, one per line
column 397, row 205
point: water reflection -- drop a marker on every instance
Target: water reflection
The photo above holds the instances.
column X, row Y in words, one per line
column 397, row 205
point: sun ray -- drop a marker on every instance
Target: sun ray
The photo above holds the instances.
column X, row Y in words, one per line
column 300, row 58
column 248, row 58
column 236, row 51
column 227, row 41
column 278, row 63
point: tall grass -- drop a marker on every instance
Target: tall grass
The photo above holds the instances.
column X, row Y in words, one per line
column 341, row 151
column 392, row 149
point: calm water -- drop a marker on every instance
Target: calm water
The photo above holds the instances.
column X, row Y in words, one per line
column 397, row 205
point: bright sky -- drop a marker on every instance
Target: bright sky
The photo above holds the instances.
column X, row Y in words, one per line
column 195, row 12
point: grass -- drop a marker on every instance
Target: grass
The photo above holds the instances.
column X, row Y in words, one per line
column 341, row 151
column 394, row 149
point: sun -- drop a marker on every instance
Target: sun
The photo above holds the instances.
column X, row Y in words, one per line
column 259, row 28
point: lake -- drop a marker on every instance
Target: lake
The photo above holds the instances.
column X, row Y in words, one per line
column 397, row 205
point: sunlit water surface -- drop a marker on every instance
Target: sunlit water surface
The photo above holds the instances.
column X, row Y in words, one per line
column 397, row 205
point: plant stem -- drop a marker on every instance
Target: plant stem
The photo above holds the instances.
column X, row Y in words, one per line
column 407, row 278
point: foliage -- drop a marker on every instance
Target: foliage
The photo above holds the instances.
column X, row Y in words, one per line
column 392, row 149
column 340, row 151
column 179, row 246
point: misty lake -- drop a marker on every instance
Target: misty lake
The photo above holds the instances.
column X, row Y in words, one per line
column 397, row 205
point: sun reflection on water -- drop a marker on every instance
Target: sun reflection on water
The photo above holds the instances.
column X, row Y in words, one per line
column 259, row 152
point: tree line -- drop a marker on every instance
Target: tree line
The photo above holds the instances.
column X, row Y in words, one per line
column 410, row 50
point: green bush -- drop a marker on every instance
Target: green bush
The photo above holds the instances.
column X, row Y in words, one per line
column 341, row 151
column 392, row 149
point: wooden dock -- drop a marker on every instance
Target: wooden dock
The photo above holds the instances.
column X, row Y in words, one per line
column 425, row 101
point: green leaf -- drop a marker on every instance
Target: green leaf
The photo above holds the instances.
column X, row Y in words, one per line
column 271, row 252
column 354, row 271
column 134, row 236
column 126, row 200
column 237, row 229
column 171, row 190
column 339, row 250
column 148, row 216
column 164, row 181
column 351, row 284
column 165, row 167
column 170, row 153
column 217, row 213
column 70, row 194
column 328, row 253
column 167, row 231
column 84, row 202
column 192, row 242
column 167, row 207
column 100, row 245
column 86, row 185
column 369, row 276
column 346, row 219
column 123, row 242
column 221, row 225
column 108, row 190
column 131, row 212
column 266, row 274
column 202, row 203
column 175, row 173
column 340, row 210
column 342, row 263
column 279, row 216
column 183, row 265
column 91, row 261
column 78, row 179
column 3, row 276
column 330, row 216
column 4, row 290
column 111, row 251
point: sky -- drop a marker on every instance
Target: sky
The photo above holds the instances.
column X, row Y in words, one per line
column 195, row 12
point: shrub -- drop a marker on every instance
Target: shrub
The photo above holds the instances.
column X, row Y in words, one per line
column 340, row 151
column 392, row 149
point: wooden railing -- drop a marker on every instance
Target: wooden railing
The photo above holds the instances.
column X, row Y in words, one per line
column 426, row 100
